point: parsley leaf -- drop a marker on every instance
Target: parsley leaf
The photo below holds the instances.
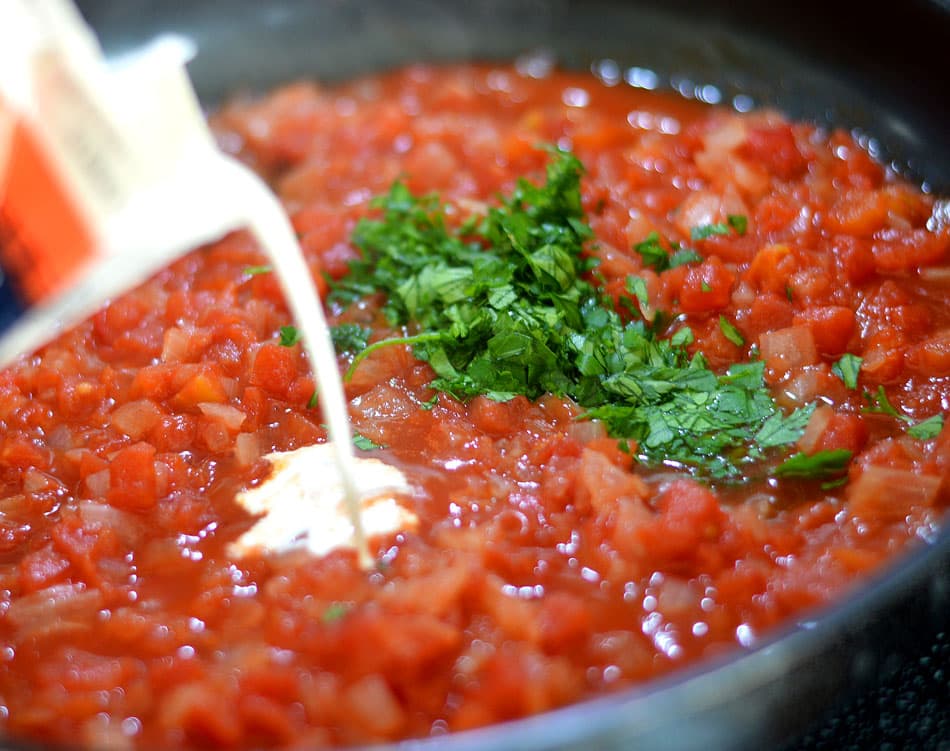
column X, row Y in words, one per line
column 847, row 369
column 682, row 257
column 683, row 337
column 819, row 465
column 927, row 429
column 878, row 404
column 349, row 337
column 781, row 430
column 730, row 331
column 503, row 306
column 363, row 443
column 335, row 611
column 257, row 270
column 655, row 255
column 289, row 336
column 637, row 287
column 739, row 222
column 708, row 230
column 653, row 252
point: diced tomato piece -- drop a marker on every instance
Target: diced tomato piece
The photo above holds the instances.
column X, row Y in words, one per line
column 689, row 514
column 600, row 482
column 132, row 478
column 844, row 431
column 775, row 212
column 22, row 453
column 772, row 268
column 768, row 312
column 153, row 382
column 882, row 364
column 173, row 432
column 931, row 357
column 776, row 149
column 859, row 213
column 832, row 327
column 274, row 369
column 854, row 257
column 83, row 547
column 706, row 287
column 565, row 622
column 204, row 386
column 77, row 398
column 906, row 251
column 610, row 448
column 122, row 315
column 883, row 494
column 496, row 418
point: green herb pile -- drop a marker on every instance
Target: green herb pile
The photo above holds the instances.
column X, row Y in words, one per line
column 501, row 306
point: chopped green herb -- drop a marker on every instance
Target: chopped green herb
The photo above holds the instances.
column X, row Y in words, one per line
column 314, row 400
column 683, row 337
column 637, row 287
column 682, row 257
column 816, row 466
column 730, row 332
column 655, row 254
column 878, row 404
column 708, row 230
column 365, row 444
column 360, row 441
column 430, row 403
column 739, row 222
column 349, row 337
column 705, row 287
column 781, row 430
column 335, row 611
column 927, row 429
column 256, row 270
column 503, row 306
column 847, row 369
column 836, row 483
column 289, row 336
column 788, row 293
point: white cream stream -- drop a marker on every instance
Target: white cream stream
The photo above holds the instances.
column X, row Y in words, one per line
column 135, row 155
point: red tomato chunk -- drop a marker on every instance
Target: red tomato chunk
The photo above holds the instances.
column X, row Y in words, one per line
column 549, row 566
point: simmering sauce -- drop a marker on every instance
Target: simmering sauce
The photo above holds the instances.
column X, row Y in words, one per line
column 549, row 565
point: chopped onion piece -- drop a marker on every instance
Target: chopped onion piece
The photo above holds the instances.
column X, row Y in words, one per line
column 786, row 349
column 885, row 494
column 231, row 417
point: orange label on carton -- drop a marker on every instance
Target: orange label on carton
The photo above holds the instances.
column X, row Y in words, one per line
column 44, row 238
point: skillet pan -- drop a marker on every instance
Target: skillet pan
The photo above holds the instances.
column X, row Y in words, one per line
column 880, row 76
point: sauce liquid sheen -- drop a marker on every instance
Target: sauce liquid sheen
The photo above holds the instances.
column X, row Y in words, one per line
column 547, row 568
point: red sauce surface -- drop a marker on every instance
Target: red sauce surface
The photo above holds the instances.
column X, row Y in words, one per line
column 546, row 569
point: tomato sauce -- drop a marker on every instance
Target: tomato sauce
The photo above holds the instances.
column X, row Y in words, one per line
column 548, row 567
